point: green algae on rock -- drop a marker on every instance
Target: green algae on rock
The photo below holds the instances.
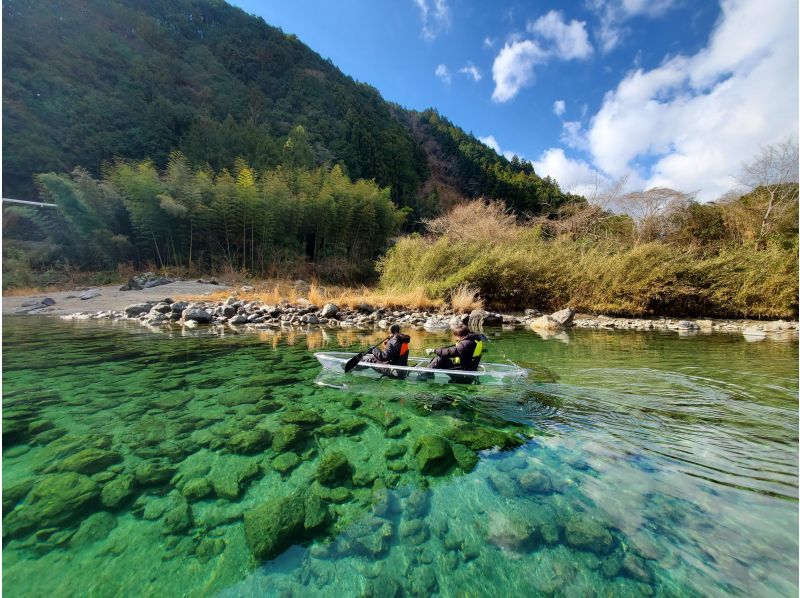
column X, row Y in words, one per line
column 434, row 455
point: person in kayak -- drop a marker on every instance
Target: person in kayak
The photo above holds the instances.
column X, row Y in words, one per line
column 395, row 350
column 464, row 355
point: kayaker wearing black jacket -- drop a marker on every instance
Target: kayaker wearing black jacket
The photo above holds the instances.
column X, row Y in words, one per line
column 396, row 352
column 464, row 355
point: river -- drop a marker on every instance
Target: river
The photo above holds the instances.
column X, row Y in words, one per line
column 629, row 464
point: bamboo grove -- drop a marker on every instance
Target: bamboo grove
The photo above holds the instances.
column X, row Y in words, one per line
column 194, row 218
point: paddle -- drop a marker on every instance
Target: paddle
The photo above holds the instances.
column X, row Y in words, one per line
column 353, row 361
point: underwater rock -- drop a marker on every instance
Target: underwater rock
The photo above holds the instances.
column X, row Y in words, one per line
column 587, row 534
column 317, row 513
column 536, row 482
column 52, row 500
column 339, row 495
column 39, row 425
column 15, row 492
column 197, row 489
column 511, row 531
column 90, row 460
column 334, row 469
column 465, row 457
column 346, row 427
column 382, row 417
column 285, row 462
column 479, row 438
column 242, row 396
column 397, row 466
column 287, row 437
column 14, row 430
column 208, row 548
column 382, row 587
column 398, row 431
column 635, row 568
column 302, row 418
column 178, row 518
column 272, row 527
column 415, row 531
column 417, row 505
column 153, row 473
column 424, row 582
column 249, row 441
column 434, row 455
column 267, row 406
column 395, row 451
column 381, row 499
column 611, row 565
column 504, row 485
column 95, row 527
column 370, row 537
column 117, row 491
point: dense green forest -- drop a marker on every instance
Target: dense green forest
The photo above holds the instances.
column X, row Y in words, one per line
column 87, row 81
column 199, row 220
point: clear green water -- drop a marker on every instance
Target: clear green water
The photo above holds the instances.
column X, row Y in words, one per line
column 651, row 465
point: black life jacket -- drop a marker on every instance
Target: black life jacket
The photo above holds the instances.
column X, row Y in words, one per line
column 470, row 361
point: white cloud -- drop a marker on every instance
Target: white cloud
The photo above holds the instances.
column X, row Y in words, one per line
column 513, row 68
column 488, row 42
column 554, row 39
column 614, row 13
column 471, row 71
column 491, row 142
column 559, row 107
column 574, row 176
column 443, row 73
column 570, row 39
column 435, row 16
column 694, row 120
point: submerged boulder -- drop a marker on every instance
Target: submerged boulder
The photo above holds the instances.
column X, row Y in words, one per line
column 274, row 526
column 434, row 455
column 53, row 500
column 334, row 469
column 117, row 491
column 587, row 534
column 90, row 460
column 287, row 437
column 249, row 441
column 479, row 438
column 94, row 528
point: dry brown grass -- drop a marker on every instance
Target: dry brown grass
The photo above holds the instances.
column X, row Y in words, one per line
column 492, row 218
column 464, row 299
column 275, row 292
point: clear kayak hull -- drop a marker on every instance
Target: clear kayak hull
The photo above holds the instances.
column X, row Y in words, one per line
column 415, row 371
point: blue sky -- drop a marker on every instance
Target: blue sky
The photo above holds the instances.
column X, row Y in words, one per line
column 672, row 93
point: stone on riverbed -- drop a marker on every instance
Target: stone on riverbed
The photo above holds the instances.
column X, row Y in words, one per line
column 287, row 437
column 334, row 469
column 94, row 528
column 153, row 473
column 90, row 460
column 274, row 526
column 285, row 462
column 53, row 500
column 249, row 441
column 586, row 534
column 117, row 491
column 434, row 455
column 479, row 438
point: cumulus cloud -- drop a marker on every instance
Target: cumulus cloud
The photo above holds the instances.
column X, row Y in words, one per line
column 513, row 66
column 613, row 15
column 570, row 40
column 574, row 176
column 471, row 71
column 435, row 17
column 491, row 142
column 443, row 73
column 695, row 119
column 559, row 107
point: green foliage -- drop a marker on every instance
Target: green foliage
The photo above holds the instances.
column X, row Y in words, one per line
column 192, row 217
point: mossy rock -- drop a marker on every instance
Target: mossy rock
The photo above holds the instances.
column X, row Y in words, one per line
column 208, row 548
column 346, row 427
column 398, row 431
column 178, row 518
column 274, row 526
column 434, row 455
column 117, row 491
column 317, row 514
column 249, row 441
column 243, row 396
column 466, row 458
column 285, row 462
column 339, row 495
column 287, row 437
column 334, row 469
column 52, row 500
column 15, row 492
column 197, row 489
column 383, row 418
column 395, row 451
column 94, row 528
column 40, row 425
column 267, row 406
column 90, row 460
column 536, row 482
column 397, row 466
column 479, row 438
column 301, row 417
column 153, row 472
column 584, row 533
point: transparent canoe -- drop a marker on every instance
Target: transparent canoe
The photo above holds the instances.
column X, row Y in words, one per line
column 415, row 371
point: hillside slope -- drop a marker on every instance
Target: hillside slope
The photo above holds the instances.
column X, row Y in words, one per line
column 86, row 81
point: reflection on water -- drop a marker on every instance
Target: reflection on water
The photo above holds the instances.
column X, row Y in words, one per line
column 629, row 464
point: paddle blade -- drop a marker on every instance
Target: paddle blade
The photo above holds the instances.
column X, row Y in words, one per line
column 352, row 362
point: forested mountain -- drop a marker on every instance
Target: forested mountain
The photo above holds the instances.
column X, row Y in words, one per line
column 87, row 81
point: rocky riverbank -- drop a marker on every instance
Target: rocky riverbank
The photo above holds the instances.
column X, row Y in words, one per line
column 244, row 315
